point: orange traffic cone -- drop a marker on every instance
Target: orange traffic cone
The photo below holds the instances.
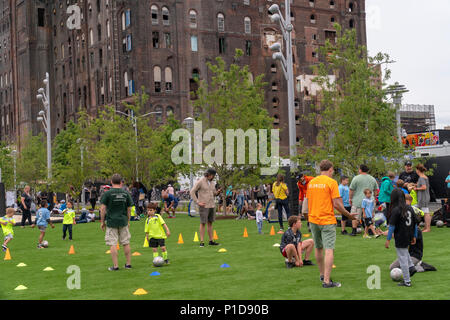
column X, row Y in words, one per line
column 7, row 255
column 272, row 231
column 72, row 250
column 215, row 236
column 180, row 239
column 245, row 233
column 118, row 247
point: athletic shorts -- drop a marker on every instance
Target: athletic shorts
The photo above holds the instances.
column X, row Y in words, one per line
column 284, row 253
column 8, row 236
column 344, row 217
column 368, row 222
column 155, row 243
column 117, row 235
column 324, row 235
column 207, row 214
column 358, row 211
column 42, row 228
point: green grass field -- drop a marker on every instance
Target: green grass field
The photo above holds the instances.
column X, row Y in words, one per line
column 257, row 269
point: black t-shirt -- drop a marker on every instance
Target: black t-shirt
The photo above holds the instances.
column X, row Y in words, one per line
column 404, row 226
column 289, row 237
column 409, row 177
column 416, row 250
column 27, row 201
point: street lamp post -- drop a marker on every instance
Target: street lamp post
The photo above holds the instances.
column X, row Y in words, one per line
column 44, row 117
column 134, row 123
column 80, row 142
column 288, row 70
column 397, row 91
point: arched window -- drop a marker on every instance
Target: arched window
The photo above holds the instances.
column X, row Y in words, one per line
column 247, row 25
column 159, row 114
column 165, row 16
column 351, row 7
column 276, row 119
column 274, row 86
column 123, row 21
column 312, row 18
column 91, row 37
column 157, row 78
column 154, row 11
column 332, row 19
column 168, row 78
column 220, row 22
column 275, row 102
column 125, row 81
column 193, row 19
column 311, row 3
column 351, row 23
column 108, row 29
column 169, row 111
column 332, row 4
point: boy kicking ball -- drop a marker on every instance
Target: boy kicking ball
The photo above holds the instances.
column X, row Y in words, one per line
column 155, row 233
column 42, row 221
column 8, row 223
column 292, row 246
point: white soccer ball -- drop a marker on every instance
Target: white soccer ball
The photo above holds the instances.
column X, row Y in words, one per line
column 358, row 230
column 396, row 274
column 45, row 243
column 439, row 223
column 158, row 261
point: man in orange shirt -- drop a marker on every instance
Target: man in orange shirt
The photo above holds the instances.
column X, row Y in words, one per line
column 302, row 184
column 323, row 197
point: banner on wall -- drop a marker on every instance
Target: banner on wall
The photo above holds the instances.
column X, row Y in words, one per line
column 421, row 139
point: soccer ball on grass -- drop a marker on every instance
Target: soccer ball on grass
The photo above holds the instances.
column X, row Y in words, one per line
column 396, row 274
column 45, row 244
column 158, row 261
column 439, row 223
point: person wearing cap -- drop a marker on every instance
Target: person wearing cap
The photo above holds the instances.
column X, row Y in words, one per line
column 409, row 175
column 203, row 194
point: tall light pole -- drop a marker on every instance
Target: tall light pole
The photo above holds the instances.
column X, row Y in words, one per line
column 44, row 117
column 133, row 119
column 397, row 91
column 288, row 70
column 80, row 142
column 189, row 123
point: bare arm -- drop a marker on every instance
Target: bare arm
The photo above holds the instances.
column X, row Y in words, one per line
column 338, row 204
column 167, row 230
column 129, row 214
column 350, row 196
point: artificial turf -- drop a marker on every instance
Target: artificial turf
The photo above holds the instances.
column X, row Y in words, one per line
column 257, row 269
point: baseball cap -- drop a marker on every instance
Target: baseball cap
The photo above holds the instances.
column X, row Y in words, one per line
column 300, row 175
column 408, row 163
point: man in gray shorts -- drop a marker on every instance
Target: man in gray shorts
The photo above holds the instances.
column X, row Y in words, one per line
column 116, row 208
column 203, row 194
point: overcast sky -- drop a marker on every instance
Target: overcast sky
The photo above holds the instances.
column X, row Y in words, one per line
column 416, row 34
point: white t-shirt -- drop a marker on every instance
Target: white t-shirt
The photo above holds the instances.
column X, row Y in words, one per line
column 259, row 216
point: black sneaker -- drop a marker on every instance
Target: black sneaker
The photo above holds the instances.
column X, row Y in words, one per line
column 4, row 248
column 127, row 266
column 166, row 261
column 290, row 265
column 412, row 271
column 213, row 243
column 404, row 284
column 321, row 278
column 344, row 232
column 307, row 263
column 113, row 269
column 331, row 285
column 202, row 244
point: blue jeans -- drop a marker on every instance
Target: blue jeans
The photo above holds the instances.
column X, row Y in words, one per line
column 280, row 205
column 259, row 224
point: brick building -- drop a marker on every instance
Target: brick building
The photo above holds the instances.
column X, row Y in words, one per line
column 123, row 45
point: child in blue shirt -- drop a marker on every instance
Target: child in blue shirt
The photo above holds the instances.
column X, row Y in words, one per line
column 368, row 206
column 344, row 191
column 42, row 221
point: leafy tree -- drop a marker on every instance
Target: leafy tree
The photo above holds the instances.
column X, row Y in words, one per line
column 6, row 165
column 32, row 162
column 233, row 101
column 356, row 124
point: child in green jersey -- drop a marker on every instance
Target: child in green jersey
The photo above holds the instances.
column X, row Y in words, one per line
column 154, row 231
column 8, row 223
column 69, row 220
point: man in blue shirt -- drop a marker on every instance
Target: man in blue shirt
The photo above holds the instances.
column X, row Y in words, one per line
column 42, row 221
column 344, row 191
column 170, row 203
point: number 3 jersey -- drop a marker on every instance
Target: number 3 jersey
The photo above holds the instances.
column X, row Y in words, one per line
column 405, row 225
